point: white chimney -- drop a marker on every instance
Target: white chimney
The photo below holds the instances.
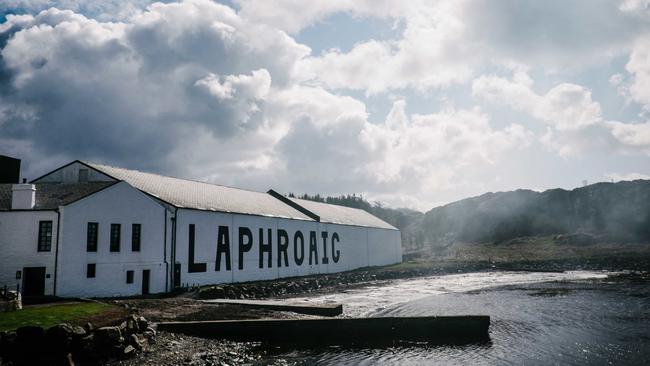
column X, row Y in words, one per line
column 23, row 196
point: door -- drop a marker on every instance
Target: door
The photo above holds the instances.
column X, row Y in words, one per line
column 33, row 281
column 177, row 275
column 145, row 281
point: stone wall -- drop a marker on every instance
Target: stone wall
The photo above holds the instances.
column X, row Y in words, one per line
column 66, row 344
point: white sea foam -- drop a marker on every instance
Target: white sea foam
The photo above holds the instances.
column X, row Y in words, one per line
column 375, row 297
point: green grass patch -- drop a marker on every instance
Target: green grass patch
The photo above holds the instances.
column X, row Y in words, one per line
column 49, row 315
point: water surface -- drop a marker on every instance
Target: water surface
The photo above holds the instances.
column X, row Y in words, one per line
column 573, row 318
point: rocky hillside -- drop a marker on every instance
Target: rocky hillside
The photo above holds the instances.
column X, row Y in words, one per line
column 604, row 212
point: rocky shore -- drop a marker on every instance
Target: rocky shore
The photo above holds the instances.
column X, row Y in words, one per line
column 289, row 287
column 67, row 344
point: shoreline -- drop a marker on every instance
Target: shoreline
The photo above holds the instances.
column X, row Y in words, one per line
column 174, row 349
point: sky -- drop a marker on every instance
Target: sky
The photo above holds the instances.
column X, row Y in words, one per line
column 410, row 103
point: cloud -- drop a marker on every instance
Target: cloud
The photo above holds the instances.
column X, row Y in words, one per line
column 128, row 91
column 575, row 121
column 565, row 106
column 105, row 10
column 448, row 43
column 639, row 68
column 295, row 15
column 194, row 89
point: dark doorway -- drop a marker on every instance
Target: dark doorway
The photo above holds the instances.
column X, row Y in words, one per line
column 145, row 281
column 177, row 275
column 33, row 281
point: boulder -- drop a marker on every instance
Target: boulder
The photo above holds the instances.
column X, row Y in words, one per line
column 59, row 337
column 132, row 325
column 150, row 335
column 129, row 351
column 87, row 343
column 89, row 327
column 30, row 332
column 7, row 343
column 122, row 327
column 30, row 337
column 108, row 336
column 137, row 342
column 65, row 330
column 143, row 324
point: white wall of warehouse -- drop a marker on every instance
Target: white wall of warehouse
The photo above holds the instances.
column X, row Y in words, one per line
column 117, row 204
column 19, row 246
column 358, row 247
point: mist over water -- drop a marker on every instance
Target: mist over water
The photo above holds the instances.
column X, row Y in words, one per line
column 574, row 318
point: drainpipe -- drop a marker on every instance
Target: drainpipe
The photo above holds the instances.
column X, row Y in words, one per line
column 173, row 253
column 165, row 252
column 56, row 248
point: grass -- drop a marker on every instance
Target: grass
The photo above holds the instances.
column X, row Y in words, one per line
column 545, row 248
column 49, row 315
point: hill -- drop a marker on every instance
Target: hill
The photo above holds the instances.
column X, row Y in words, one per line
column 603, row 212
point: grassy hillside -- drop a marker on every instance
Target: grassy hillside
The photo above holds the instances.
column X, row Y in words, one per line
column 601, row 213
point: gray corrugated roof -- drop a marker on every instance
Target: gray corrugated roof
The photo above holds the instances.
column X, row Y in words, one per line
column 336, row 214
column 202, row 196
column 50, row 196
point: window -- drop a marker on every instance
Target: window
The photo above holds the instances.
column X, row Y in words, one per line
column 129, row 276
column 90, row 270
column 115, row 238
column 83, row 175
column 45, row 236
column 135, row 237
column 91, row 237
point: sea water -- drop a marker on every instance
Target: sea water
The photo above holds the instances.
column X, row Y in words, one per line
column 571, row 318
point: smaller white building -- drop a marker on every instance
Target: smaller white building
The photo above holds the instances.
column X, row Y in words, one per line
column 90, row 230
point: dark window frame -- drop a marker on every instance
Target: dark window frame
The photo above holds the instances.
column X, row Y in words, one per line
column 44, row 236
column 130, row 275
column 92, row 236
column 116, row 236
column 91, row 270
column 136, row 237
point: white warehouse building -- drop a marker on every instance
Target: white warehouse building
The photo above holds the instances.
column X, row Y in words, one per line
column 91, row 230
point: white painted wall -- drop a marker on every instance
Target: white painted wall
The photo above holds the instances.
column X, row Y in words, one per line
column 70, row 174
column 19, row 244
column 117, row 204
column 125, row 205
column 357, row 246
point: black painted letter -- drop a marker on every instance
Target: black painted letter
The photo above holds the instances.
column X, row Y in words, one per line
column 266, row 248
column 223, row 247
column 191, row 266
column 283, row 245
column 324, row 236
column 313, row 247
column 244, row 232
column 296, row 236
column 335, row 253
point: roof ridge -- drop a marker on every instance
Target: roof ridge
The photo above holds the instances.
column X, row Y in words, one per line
column 331, row 204
column 94, row 165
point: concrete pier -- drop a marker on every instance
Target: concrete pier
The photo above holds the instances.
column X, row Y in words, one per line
column 309, row 309
column 341, row 331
